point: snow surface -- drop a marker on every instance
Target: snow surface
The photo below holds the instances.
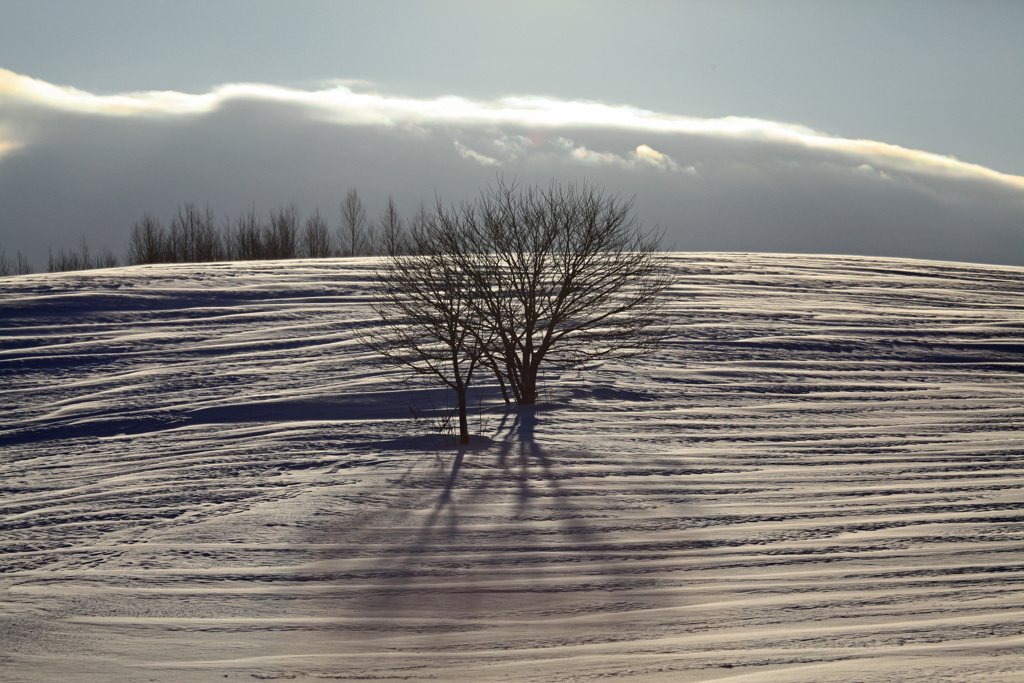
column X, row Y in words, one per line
column 819, row 477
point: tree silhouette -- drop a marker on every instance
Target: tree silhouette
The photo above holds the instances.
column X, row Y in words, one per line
column 521, row 279
column 561, row 277
column 427, row 325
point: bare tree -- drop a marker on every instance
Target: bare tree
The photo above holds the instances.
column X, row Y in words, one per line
column 106, row 259
column 63, row 261
column 280, row 241
column 181, row 235
column 428, row 327
column 391, row 231
column 354, row 232
column 68, row 260
column 316, row 237
column 84, row 255
column 559, row 277
column 209, row 245
column 246, row 237
column 147, row 241
column 193, row 236
column 19, row 265
column 81, row 259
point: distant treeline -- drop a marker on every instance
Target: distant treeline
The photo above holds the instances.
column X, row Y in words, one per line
column 18, row 265
column 193, row 235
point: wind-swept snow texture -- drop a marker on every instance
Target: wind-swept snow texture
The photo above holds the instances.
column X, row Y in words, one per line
column 820, row 477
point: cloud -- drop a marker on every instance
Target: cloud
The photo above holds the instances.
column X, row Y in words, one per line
column 586, row 156
column 473, row 155
column 74, row 162
column 643, row 156
column 17, row 90
column 649, row 155
column 339, row 103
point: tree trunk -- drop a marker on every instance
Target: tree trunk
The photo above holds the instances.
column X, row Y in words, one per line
column 514, row 380
column 501, row 380
column 527, row 394
column 463, row 419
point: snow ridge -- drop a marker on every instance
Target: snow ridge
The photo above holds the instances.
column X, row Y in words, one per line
column 820, row 475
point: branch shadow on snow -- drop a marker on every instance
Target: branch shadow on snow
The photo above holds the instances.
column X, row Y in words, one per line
column 494, row 533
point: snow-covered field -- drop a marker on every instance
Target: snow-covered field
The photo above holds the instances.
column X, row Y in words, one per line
column 820, row 477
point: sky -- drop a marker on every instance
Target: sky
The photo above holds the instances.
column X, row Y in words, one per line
column 879, row 128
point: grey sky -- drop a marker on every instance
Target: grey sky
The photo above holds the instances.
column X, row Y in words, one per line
column 937, row 77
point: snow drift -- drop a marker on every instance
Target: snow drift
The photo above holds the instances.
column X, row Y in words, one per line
column 820, row 475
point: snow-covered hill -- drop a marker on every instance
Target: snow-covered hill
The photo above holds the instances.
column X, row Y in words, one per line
column 820, row 477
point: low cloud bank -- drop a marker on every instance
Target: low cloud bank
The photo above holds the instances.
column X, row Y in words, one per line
column 74, row 163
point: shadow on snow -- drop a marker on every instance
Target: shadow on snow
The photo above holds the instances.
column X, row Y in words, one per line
column 490, row 528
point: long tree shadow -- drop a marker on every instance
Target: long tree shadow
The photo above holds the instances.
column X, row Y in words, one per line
column 515, row 459
column 502, row 545
column 503, row 535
